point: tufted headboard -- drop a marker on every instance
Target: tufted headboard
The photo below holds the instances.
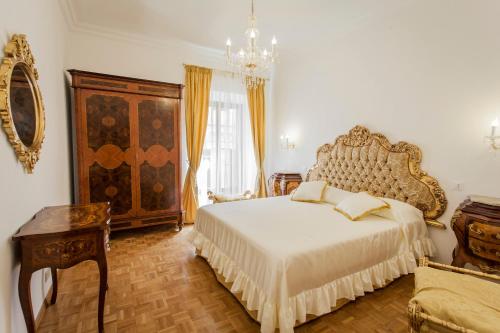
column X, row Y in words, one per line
column 362, row 161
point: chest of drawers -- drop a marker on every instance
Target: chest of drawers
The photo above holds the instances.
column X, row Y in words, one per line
column 477, row 228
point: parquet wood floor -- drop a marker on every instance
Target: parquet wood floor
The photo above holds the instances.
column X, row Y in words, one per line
column 157, row 284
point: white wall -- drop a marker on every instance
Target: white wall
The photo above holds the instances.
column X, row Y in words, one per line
column 21, row 195
column 129, row 55
column 428, row 74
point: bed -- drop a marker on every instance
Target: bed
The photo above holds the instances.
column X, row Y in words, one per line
column 288, row 262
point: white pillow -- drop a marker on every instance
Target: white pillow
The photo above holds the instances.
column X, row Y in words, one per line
column 310, row 191
column 359, row 205
column 400, row 212
column 333, row 195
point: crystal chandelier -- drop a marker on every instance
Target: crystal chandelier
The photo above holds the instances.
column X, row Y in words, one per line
column 252, row 62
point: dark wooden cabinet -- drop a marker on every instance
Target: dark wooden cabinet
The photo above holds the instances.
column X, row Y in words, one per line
column 127, row 147
column 477, row 227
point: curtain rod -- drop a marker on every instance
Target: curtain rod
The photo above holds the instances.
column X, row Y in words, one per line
column 224, row 72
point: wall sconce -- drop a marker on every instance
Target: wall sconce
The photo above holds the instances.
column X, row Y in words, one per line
column 493, row 137
column 286, row 144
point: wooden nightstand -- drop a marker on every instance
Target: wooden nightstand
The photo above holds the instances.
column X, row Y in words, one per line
column 477, row 228
column 283, row 183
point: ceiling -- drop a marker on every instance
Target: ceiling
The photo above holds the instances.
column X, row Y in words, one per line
column 210, row 22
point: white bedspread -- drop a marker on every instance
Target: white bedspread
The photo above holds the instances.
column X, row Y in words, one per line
column 292, row 258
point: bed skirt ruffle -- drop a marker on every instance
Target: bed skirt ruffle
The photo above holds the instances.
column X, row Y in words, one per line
column 317, row 301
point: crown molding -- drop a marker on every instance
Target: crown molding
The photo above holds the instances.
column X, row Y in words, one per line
column 76, row 26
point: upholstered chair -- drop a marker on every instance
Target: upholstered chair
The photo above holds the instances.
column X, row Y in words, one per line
column 452, row 299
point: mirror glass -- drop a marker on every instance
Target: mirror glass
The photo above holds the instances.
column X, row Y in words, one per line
column 22, row 104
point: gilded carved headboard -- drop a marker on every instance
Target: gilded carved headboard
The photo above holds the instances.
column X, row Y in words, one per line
column 362, row 161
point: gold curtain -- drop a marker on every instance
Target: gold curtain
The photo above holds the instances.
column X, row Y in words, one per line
column 256, row 105
column 197, row 82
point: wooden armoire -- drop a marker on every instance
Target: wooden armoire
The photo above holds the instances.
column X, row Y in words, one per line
column 126, row 147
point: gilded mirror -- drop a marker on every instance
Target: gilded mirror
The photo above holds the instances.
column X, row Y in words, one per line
column 21, row 106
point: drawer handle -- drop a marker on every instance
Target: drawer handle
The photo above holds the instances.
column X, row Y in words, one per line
column 498, row 236
column 476, row 231
column 498, row 254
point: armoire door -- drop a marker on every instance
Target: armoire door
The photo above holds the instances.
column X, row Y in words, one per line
column 107, row 165
column 158, row 155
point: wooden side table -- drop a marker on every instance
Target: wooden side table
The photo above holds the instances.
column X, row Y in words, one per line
column 61, row 237
column 477, row 228
column 282, row 183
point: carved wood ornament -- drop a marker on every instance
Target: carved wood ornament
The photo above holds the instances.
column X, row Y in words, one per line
column 21, row 106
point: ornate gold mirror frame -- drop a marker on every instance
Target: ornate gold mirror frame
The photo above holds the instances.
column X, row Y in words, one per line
column 17, row 69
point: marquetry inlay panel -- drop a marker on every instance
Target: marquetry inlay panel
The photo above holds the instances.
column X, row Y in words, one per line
column 66, row 252
column 157, row 192
column 107, row 121
column 156, row 123
column 111, row 156
column 113, row 185
column 156, row 155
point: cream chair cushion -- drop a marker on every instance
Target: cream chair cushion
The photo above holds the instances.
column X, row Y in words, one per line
column 310, row 191
column 335, row 195
column 359, row 205
column 462, row 299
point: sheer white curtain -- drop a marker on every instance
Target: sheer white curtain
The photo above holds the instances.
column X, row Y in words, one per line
column 228, row 163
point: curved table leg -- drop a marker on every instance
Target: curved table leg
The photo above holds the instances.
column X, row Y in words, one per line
column 24, row 288
column 103, row 286
column 53, row 272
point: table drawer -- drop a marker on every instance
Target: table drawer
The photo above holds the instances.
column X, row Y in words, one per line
column 484, row 249
column 485, row 232
column 65, row 252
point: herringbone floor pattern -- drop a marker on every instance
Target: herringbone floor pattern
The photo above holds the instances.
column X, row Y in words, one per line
column 157, row 284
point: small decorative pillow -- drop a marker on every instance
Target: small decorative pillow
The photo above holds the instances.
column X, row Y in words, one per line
column 310, row 191
column 335, row 195
column 359, row 205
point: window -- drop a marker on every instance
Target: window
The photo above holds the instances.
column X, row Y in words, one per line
column 228, row 163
